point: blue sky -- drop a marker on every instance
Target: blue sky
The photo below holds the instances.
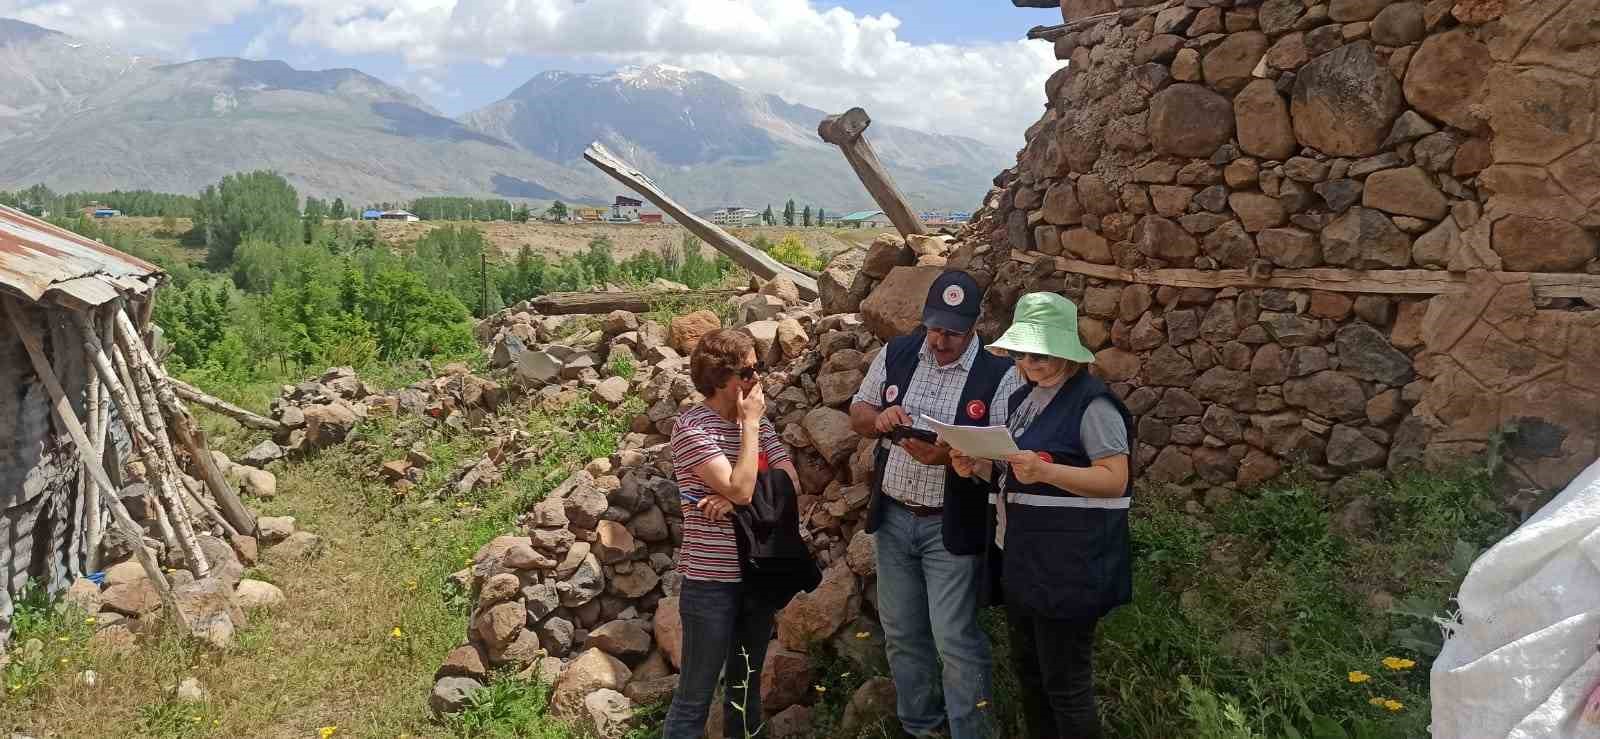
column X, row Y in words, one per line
column 953, row 66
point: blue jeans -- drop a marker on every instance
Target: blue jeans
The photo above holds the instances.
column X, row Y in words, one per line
column 928, row 601
column 720, row 628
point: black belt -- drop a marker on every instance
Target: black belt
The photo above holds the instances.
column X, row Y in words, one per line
column 920, row 511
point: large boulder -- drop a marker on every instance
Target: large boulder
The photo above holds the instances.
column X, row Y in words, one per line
column 621, row 639
column 209, row 611
column 1447, row 77
column 685, row 331
column 785, row 678
column 328, row 424
column 815, row 616
column 872, row 706
column 610, row 712
column 591, row 671
column 895, row 306
column 1344, row 101
column 668, row 629
column 830, row 433
column 1189, row 120
column 452, row 694
column 1262, row 118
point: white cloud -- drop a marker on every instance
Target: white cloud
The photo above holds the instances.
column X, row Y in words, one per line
column 826, row 57
column 829, row 58
column 141, row 25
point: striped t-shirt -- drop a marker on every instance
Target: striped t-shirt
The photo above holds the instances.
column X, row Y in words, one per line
column 710, row 551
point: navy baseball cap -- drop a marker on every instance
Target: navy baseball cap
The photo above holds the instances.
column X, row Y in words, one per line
column 954, row 301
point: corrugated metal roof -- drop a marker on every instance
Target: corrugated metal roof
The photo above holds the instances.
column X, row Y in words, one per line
column 35, row 256
column 862, row 215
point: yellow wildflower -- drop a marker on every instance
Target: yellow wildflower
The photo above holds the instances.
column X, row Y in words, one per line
column 61, row 638
column 327, row 731
column 1393, row 705
column 821, row 689
column 982, row 704
column 1357, row 676
column 1377, row 701
column 1397, row 663
column 862, row 635
column 89, row 620
column 397, row 633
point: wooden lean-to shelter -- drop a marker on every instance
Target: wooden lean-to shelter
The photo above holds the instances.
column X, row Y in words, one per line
column 85, row 412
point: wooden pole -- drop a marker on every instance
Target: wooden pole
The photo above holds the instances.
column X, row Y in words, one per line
column 846, row 132
column 132, row 419
column 755, row 260
column 162, row 477
column 91, row 491
column 136, row 356
column 84, row 448
column 191, row 437
column 245, row 418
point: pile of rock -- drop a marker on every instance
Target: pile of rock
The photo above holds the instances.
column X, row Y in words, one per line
column 125, row 603
column 1185, row 140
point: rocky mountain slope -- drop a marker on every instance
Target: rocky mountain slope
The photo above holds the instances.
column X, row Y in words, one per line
column 79, row 115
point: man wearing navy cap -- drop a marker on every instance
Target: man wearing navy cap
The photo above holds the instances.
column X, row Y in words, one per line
column 928, row 522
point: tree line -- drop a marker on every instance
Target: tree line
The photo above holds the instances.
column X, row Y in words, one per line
column 791, row 217
column 39, row 200
column 285, row 288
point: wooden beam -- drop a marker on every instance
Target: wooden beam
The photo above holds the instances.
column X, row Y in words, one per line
column 1369, row 281
column 758, row 262
column 846, row 131
column 563, row 304
column 245, row 418
column 85, row 450
column 188, row 433
column 1128, row 15
column 1037, row 3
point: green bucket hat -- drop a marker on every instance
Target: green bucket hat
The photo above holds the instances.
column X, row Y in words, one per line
column 1044, row 323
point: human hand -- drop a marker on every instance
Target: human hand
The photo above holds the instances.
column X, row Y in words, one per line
column 891, row 417
column 715, row 507
column 964, row 465
column 929, row 454
column 1028, row 467
column 753, row 405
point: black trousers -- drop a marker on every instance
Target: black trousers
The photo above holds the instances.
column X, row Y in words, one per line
column 1054, row 662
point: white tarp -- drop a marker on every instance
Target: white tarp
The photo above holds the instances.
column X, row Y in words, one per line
column 1523, row 658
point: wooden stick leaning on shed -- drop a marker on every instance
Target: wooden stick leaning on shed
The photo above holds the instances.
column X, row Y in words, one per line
column 132, row 411
column 164, row 479
column 85, row 448
column 217, row 405
column 189, row 434
column 131, row 345
column 758, row 262
column 846, row 131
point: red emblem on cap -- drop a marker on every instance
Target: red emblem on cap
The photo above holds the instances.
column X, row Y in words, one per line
column 976, row 409
column 1046, row 457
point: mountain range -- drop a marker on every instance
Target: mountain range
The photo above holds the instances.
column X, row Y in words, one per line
column 80, row 115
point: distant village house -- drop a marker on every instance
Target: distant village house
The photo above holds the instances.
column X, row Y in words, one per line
column 736, row 216
column 865, row 219
column 626, row 209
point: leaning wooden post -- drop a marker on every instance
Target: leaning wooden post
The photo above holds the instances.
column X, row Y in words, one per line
column 133, row 351
column 189, row 434
column 160, row 475
column 845, row 131
column 243, row 417
column 84, row 448
column 132, row 419
column 758, row 262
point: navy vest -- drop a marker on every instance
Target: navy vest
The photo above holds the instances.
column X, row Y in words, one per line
column 1066, row 556
column 965, row 501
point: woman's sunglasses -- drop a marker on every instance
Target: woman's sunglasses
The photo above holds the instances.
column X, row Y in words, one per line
column 1030, row 356
column 749, row 373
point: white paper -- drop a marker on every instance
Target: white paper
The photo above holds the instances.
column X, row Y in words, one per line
column 982, row 442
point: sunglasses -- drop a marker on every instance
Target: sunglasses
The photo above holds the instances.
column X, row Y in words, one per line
column 749, row 373
column 1030, row 356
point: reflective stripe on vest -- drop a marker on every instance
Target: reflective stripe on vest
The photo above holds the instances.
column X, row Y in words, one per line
column 1060, row 501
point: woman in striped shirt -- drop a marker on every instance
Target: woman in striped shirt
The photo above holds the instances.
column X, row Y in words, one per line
column 718, row 448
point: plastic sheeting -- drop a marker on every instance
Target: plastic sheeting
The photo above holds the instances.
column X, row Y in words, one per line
column 1523, row 657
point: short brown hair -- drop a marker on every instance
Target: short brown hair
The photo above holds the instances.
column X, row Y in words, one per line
column 717, row 357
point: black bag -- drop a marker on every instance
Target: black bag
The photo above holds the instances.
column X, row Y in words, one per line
column 774, row 560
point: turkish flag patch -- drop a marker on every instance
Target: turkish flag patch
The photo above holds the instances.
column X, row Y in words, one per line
column 976, row 409
column 761, row 462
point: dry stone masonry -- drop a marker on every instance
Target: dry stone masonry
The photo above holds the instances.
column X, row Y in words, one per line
column 1353, row 234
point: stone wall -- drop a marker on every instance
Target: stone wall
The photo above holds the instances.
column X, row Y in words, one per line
column 1268, row 149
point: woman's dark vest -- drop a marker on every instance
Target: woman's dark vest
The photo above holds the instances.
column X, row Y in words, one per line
column 1066, row 556
column 965, row 501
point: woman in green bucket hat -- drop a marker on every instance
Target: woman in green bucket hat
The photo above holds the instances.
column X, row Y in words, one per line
column 1061, row 514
